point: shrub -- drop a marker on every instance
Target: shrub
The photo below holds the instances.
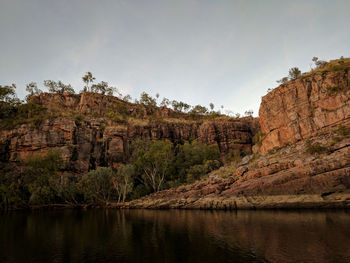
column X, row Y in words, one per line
column 315, row 148
column 294, row 73
column 333, row 89
column 257, row 138
column 97, row 185
column 344, row 131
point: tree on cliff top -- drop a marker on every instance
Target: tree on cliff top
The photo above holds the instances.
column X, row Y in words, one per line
column 103, row 89
column 33, row 90
column 8, row 101
column 146, row 99
column 58, row 87
column 294, row 73
column 319, row 63
column 88, row 78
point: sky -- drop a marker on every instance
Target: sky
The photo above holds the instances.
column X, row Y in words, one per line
column 223, row 52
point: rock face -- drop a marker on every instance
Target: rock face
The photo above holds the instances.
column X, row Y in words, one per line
column 92, row 141
column 303, row 160
column 289, row 178
column 298, row 109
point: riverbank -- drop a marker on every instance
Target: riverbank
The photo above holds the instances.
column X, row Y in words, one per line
column 331, row 201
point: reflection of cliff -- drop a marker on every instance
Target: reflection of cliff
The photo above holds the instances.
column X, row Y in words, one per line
column 275, row 236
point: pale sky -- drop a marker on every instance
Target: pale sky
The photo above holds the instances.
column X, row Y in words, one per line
column 225, row 52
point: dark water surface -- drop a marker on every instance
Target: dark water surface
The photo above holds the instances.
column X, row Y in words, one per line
column 175, row 236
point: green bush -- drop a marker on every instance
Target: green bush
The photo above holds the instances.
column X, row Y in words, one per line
column 97, row 186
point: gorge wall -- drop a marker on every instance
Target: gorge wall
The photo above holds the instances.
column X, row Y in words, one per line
column 301, row 161
column 79, row 127
column 299, row 109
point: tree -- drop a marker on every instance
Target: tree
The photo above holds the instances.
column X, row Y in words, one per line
column 33, row 90
column 165, row 102
column 51, row 85
column 191, row 160
column 198, row 109
column 123, row 182
column 319, row 63
column 8, row 101
column 154, row 162
column 146, row 99
column 97, row 185
column 127, row 98
column 88, row 78
column 67, row 189
column 249, row 113
column 294, row 73
column 211, row 105
column 112, row 90
column 41, row 177
column 62, row 88
column 58, row 87
column 282, row 80
column 180, row 106
column 176, row 105
column 8, row 94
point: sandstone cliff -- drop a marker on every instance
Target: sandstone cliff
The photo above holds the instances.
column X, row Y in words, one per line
column 92, row 130
column 300, row 108
column 302, row 159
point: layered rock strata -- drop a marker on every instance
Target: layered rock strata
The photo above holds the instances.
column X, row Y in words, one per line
column 300, row 108
column 302, row 161
column 289, row 178
column 88, row 142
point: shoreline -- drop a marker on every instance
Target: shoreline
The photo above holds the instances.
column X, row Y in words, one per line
column 258, row 202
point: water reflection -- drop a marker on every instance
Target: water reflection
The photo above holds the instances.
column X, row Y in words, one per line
column 175, row 236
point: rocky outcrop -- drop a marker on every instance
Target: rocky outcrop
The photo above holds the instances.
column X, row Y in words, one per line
column 88, row 142
column 290, row 178
column 301, row 161
column 298, row 109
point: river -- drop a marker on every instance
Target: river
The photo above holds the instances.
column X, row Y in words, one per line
column 107, row 235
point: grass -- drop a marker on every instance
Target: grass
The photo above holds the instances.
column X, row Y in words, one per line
column 334, row 89
column 331, row 66
column 138, row 122
column 274, row 150
column 257, row 138
column 316, row 148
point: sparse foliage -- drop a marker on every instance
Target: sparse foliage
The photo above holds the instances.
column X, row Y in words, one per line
column 249, row 113
column 319, row 63
column 88, row 79
column 32, row 89
column 123, row 182
column 58, row 87
column 294, row 73
column 282, row 80
column 147, row 100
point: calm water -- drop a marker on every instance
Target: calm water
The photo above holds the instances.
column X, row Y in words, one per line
column 175, row 236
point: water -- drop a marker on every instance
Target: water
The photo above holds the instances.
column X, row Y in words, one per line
column 175, row 236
